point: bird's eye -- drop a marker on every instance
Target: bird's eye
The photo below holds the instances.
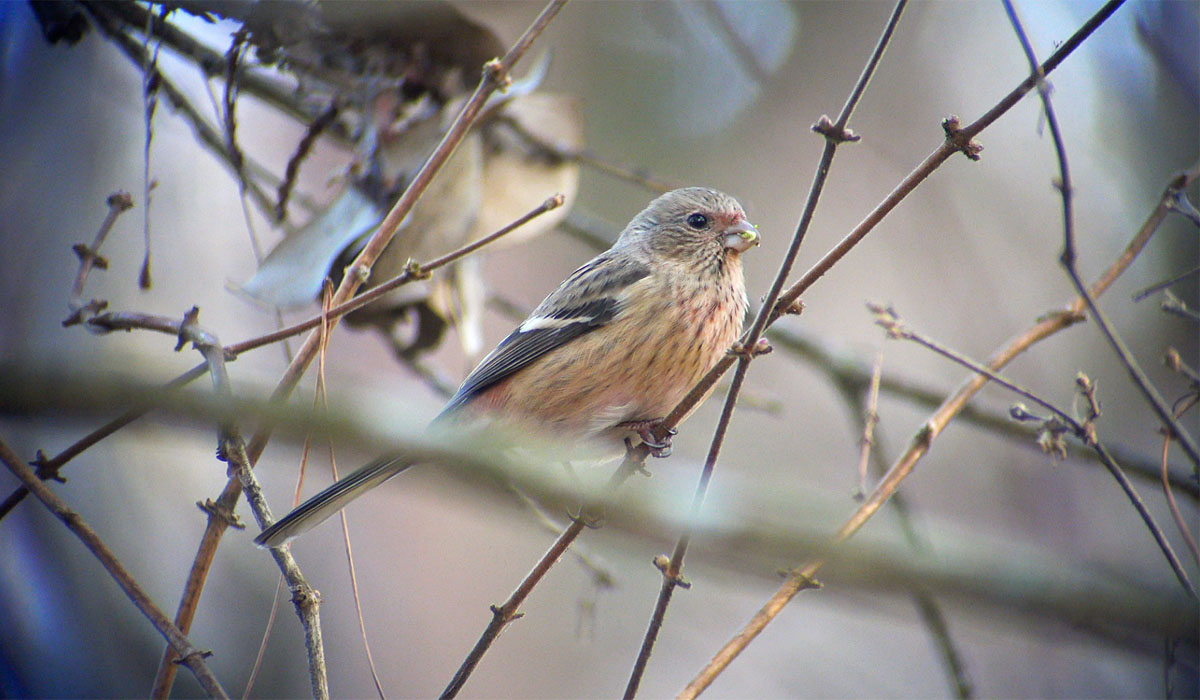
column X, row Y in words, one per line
column 697, row 220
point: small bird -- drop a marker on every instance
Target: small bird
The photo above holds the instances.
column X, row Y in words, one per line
column 610, row 352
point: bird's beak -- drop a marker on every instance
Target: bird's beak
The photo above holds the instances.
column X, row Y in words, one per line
column 741, row 236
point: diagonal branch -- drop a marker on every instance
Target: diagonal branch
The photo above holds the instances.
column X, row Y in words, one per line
column 835, row 134
column 1186, row 441
column 189, row 655
column 495, row 76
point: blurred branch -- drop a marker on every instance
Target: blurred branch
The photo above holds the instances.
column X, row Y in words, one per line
column 745, row 542
column 630, row 173
column 211, row 62
column 1186, row 405
column 847, row 370
column 189, row 655
column 103, row 14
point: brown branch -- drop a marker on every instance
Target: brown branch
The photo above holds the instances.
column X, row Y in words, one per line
column 230, row 448
column 801, row 578
column 105, row 17
column 315, row 128
column 869, row 420
column 1068, row 257
column 1184, row 530
column 1084, row 431
column 957, row 140
column 495, row 75
column 208, row 60
column 189, row 655
column 507, row 611
column 848, row 372
column 835, row 134
column 855, row 395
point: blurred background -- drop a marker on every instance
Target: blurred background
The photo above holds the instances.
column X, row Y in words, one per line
column 713, row 93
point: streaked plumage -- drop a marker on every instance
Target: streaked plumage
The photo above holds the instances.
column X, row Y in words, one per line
column 619, row 342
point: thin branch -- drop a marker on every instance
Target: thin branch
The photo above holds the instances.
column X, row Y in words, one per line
column 210, row 61
column 89, row 256
column 189, row 654
column 1138, row 296
column 231, row 448
column 506, row 612
column 835, row 134
column 869, row 420
column 957, row 140
column 848, row 372
column 150, row 86
column 1084, row 431
column 923, row 598
column 1188, row 403
column 1068, row 257
column 1174, row 305
column 103, row 14
column 495, row 76
column 315, row 128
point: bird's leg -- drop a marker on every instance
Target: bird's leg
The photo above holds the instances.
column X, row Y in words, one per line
column 647, row 430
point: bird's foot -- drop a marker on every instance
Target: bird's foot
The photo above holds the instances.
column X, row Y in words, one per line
column 648, row 431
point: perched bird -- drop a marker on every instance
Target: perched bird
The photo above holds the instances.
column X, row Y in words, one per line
column 610, row 352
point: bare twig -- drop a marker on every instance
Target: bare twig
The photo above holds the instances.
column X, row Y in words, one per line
column 957, row 139
column 1068, row 257
column 1165, row 283
column 103, row 14
column 1174, row 305
column 1084, row 431
column 630, row 173
column 232, row 449
column 189, row 654
column 150, row 85
column 315, row 128
column 835, row 134
column 506, row 612
column 89, row 256
column 211, row 62
column 850, row 372
column 923, row 597
column 495, row 76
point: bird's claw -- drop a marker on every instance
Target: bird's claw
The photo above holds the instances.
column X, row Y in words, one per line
column 646, row 430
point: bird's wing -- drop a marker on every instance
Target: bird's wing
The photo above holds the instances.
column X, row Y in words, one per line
column 590, row 298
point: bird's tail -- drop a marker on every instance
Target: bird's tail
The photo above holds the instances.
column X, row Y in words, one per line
column 321, row 506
